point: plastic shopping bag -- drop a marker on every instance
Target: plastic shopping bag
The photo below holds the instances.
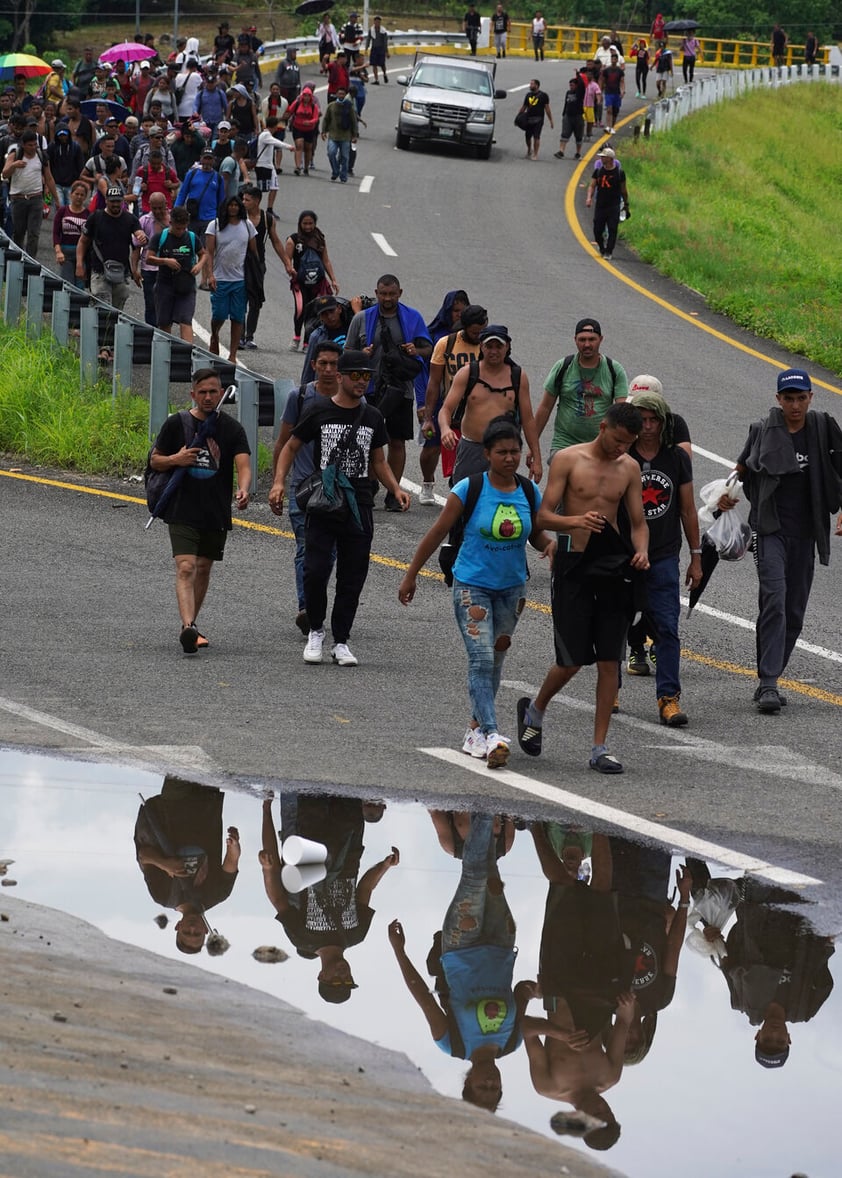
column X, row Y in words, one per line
column 731, row 535
column 710, row 495
column 715, row 906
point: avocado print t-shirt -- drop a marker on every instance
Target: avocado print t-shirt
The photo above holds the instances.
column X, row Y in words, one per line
column 493, row 552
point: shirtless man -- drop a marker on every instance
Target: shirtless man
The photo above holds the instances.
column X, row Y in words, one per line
column 493, row 393
column 590, row 579
column 583, row 984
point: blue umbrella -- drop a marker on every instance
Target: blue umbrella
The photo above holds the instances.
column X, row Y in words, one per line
column 88, row 108
column 205, row 430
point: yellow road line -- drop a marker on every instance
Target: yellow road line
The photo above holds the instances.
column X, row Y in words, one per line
column 389, row 562
column 585, row 242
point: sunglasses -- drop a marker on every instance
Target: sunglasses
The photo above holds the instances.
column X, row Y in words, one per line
column 364, row 375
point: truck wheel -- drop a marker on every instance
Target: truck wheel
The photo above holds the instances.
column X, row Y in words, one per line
column 484, row 151
column 402, row 141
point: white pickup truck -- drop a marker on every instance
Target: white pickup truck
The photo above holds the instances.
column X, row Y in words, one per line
column 449, row 100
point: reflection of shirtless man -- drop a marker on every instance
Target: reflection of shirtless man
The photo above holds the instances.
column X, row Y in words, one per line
column 493, row 394
column 590, row 577
column 566, row 1067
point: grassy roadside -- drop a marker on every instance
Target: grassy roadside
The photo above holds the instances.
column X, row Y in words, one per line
column 728, row 204
column 47, row 419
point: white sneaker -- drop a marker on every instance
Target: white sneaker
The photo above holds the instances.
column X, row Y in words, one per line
column 342, row 656
column 498, row 750
column 313, row 649
column 427, row 497
column 474, row 743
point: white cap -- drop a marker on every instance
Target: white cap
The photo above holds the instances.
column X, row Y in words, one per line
column 645, row 384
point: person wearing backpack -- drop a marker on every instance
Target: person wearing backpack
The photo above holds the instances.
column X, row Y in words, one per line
column 489, row 573
column 340, row 127
column 179, row 256
column 580, row 388
column 481, row 391
column 27, row 170
column 309, row 268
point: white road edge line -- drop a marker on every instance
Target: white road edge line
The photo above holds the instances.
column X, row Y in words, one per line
column 366, row 183
column 688, row 843
column 198, row 330
column 380, row 240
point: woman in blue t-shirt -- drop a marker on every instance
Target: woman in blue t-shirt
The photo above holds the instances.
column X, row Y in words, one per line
column 489, row 575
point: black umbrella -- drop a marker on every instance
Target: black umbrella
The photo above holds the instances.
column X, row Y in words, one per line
column 88, row 108
column 204, row 431
column 313, row 7
column 681, row 26
column 710, row 559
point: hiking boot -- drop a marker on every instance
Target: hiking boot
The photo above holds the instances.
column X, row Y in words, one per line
column 671, row 713
column 313, row 649
column 498, row 750
column 529, row 737
column 427, row 497
column 189, row 639
column 637, row 664
column 768, row 701
column 474, row 743
column 342, row 656
column 303, row 622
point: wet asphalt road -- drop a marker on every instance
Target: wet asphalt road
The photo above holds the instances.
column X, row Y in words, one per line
column 89, row 640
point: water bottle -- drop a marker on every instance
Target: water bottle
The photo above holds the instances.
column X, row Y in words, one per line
column 137, row 187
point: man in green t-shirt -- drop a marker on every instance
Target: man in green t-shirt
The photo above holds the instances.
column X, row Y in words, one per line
column 581, row 388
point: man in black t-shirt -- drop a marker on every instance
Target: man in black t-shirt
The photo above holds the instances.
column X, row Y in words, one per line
column 178, row 254
column 199, row 510
column 669, row 507
column 347, row 434
column 608, row 185
column 536, row 105
column 471, row 26
column 791, row 470
column 111, row 235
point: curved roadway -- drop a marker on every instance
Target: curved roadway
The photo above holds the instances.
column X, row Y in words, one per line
column 89, row 647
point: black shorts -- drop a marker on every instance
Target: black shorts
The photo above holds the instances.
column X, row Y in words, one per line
column 171, row 307
column 590, row 612
column 187, row 541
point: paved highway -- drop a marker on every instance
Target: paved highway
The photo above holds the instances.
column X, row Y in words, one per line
column 89, row 646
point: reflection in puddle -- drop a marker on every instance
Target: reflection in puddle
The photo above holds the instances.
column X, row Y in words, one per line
column 592, row 986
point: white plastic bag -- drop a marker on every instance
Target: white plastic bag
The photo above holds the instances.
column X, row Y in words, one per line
column 731, row 535
column 710, row 495
column 716, row 904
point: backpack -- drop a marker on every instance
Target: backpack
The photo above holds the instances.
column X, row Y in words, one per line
column 310, row 269
column 568, row 360
column 449, row 551
column 252, row 152
column 473, row 377
column 156, row 480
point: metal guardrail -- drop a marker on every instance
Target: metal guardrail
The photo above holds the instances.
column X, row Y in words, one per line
column 31, row 288
column 709, row 89
column 580, row 44
column 568, row 41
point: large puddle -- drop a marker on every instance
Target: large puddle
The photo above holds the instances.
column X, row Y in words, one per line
column 634, row 1012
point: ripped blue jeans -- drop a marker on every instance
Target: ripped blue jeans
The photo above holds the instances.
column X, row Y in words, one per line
column 486, row 620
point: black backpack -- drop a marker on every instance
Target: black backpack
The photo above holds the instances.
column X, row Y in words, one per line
column 473, row 377
column 449, row 551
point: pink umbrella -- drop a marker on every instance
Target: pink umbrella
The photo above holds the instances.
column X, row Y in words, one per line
column 127, row 51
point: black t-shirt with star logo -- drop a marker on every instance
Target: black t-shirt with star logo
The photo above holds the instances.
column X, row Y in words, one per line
column 661, row 477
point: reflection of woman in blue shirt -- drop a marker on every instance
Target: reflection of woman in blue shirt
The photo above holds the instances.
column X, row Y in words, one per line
column 479, row 1017
column 489, row 576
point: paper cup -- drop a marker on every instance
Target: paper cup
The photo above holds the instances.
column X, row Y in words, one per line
column 296, row 879
column 298, row 850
